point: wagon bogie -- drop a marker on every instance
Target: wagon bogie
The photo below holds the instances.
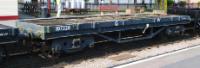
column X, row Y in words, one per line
column 71, row 44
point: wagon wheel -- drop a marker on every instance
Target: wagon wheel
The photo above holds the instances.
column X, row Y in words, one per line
column 74, row 50
column 58, row 50
column 63, row 47
column 2, row 54
column 197, row 28
column 162, row 35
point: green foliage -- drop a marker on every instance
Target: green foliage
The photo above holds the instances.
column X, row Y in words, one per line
column 86, row 0
column 198, row 3
column 170, row 2
column 182, row 3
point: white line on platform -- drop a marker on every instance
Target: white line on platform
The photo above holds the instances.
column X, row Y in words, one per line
column 156, row 57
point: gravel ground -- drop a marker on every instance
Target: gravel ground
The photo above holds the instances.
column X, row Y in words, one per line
column 104, row 55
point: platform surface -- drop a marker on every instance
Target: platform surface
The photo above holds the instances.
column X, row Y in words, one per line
column 187, row 58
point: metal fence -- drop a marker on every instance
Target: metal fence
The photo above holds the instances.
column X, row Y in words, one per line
column 34, row 9
column 193, row 5
column 120, row 6
column 189, row 5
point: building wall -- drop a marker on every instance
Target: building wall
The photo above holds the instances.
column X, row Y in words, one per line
column 190, row 1
column 23, row 1
column 194, row 1
column 8, row 7
column 122, row 1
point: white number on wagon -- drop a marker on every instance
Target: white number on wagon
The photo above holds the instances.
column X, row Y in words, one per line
column 63, row 28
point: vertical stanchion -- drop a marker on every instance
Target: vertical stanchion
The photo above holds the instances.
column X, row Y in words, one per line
column 49, row 8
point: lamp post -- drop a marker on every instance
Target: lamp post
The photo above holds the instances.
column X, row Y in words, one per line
column 49, row 7
column 128, row 3
column 110, row 1
column 118, row 2
column 188, row 1
column 58, row 2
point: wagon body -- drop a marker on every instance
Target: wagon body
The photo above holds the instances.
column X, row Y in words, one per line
column 8, row 34
column 53, row 28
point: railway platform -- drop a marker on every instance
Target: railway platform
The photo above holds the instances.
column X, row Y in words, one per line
column 185, row 58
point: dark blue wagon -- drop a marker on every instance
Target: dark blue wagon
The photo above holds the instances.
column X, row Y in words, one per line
column 69, row 34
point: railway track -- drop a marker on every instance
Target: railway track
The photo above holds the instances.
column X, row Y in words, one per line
column 103, row 50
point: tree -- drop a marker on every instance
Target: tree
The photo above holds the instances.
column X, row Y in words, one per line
column 170, row 2
column 86, row 0
column 182, row 3
column 198, row 4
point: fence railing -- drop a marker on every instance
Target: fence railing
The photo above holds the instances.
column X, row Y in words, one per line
column 120, row 6
column 190, row 5
column 34, row 9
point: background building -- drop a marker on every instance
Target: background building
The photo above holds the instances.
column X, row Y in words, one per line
column 188, row 1
column 122, row 1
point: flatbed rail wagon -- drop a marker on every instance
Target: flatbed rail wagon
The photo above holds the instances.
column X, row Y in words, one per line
column 70, row 34
column 74, row 33
column 8, row 35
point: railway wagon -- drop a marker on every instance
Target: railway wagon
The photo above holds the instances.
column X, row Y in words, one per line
column 8, row 35
column 71, row 34
column 8, row 32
